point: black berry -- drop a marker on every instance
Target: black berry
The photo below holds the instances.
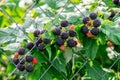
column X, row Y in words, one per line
column 96, row 23
column 15, row 61
column 95, row 31
column 36, row 33
column 41, row 47
column 29, row 58
column 38, row 41
column 111, row 15
column 46, row 41
column 71, row 43
column 72, row 33
column 29, row 68
column 21, row 51
column 57, row 31
column 22, row 61
column 64, row 35
column 93, row 16
column 30, row 45
column 116, row 2
column 85, row 20
column 20, row 67
column 60, row 41
column 84, row 29
column 43, row 31
column 64, row 23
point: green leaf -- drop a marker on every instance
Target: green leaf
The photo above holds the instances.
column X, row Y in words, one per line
column 95, row 72
column 78, row 31
column 112, row 33
column 68, row 54
column 60, row 63
column 101, row 38
column 73, row 19
column 110, row 3
column 31, row 35
column 5, row 36
column 37, row 54
column 94, row 5
column 117, row 48
column 10, row 67
column 56, row 4
column 91, row 47
column 50, row 13
column 10, row 47
column 35, row 74
column 48, row 48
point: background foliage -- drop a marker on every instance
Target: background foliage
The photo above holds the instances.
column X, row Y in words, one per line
column 19, row 19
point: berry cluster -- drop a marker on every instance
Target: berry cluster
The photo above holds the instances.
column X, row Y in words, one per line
column 64, row 36
column 116, row 2
column 41, row 42
column 91, row 25
column 22, row 63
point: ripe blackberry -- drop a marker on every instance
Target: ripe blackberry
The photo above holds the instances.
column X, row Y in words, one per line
column 15, row 61
column 95, row 31
column 84, row 29
column 57, row 31
column 30, row 45
column 60, row 41
column 116, row 2
column 72, row 33
column 111, row 15
column 29, row 58
column 38, row 41
column 46, row 41
column 85, row 20
column 20, row 67
column 41, row 47
column 22, row 61
column 21, row 51
column 29, row 68
column 36, row 33
column 64, row 35
column 43, row 31
column 93, row 16
column 71, row 43
column 64, row 23
column 96, row 23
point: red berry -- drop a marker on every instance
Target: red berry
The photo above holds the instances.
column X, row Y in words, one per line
column 34, row 61
column 62, row 47
column 89, row 34
column 72, row 27
column 16, row 55
column 75, row 43
column 89, row 23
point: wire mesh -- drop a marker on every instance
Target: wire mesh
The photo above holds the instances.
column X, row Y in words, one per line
column 102, row 76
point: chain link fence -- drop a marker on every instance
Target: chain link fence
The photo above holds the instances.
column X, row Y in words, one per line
column 51, row 62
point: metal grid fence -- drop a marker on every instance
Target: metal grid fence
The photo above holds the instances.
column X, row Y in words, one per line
column 52, row 62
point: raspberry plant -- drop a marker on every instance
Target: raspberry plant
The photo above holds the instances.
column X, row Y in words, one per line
column 60, row 40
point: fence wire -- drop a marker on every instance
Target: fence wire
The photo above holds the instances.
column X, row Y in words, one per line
column 102, row 76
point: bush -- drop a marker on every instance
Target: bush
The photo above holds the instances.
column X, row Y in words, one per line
column 59, row 40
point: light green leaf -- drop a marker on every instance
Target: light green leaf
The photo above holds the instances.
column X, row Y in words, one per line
column 48, row 48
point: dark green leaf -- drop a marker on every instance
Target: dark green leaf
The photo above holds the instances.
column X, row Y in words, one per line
column 91, row 47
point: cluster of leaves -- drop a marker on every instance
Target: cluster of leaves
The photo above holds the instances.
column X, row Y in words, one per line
column 58, row 49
